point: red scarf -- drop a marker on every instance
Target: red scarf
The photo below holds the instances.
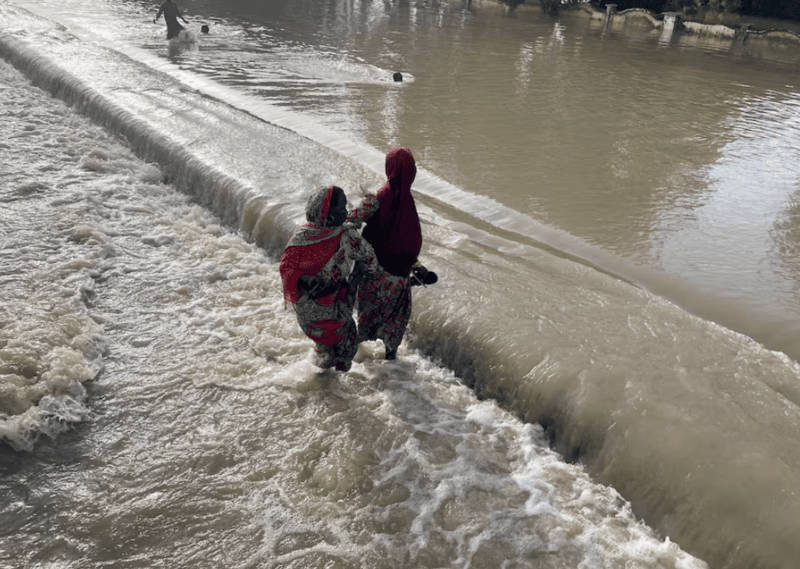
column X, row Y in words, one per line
column 395, row 233
column 311, row 247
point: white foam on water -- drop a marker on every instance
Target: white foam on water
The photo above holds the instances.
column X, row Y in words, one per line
column 218, row 381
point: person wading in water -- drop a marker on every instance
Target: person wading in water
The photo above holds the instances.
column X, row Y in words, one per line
column 171, row 15
column 393, row 230
column 320, row 270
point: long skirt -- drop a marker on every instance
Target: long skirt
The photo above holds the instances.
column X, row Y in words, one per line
column 384, row 309
column 329, row 322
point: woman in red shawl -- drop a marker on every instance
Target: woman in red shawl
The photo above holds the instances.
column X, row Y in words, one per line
column 320, row 269
column 393, row 230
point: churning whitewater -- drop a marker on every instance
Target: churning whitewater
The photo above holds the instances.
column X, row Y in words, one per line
column 209, row 438
column 160, row 406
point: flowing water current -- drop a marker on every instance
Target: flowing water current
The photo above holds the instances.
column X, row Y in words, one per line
column 604, row 377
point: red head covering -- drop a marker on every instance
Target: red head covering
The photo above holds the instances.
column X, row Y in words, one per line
column 395, row 233
column 312, row 246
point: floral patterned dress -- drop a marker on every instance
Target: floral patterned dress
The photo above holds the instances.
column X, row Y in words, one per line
column 320, row 270
column 384, row 299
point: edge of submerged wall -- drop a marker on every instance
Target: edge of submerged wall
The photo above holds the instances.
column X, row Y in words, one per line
column 490, row 373
column 723, row 529
column 236, row 203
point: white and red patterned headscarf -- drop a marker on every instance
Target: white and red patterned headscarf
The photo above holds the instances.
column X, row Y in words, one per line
column 395, row 233
column 313, row 245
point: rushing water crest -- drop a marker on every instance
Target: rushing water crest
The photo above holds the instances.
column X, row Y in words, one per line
column 567, row 171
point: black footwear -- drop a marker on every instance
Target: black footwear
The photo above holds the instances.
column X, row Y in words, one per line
column 422, row 276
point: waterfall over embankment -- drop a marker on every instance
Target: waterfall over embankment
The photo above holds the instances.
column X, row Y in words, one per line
column 694, row 424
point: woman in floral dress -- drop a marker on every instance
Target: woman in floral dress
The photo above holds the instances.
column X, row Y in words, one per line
column 320, row 269
column 393, row 230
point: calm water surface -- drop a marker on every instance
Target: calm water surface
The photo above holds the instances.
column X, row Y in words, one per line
column 671, row 162
column 148, row 337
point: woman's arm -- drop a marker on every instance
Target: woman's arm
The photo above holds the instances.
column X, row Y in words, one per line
column 362, row 213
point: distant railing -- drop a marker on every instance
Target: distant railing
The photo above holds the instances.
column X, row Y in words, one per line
column 672, row 20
